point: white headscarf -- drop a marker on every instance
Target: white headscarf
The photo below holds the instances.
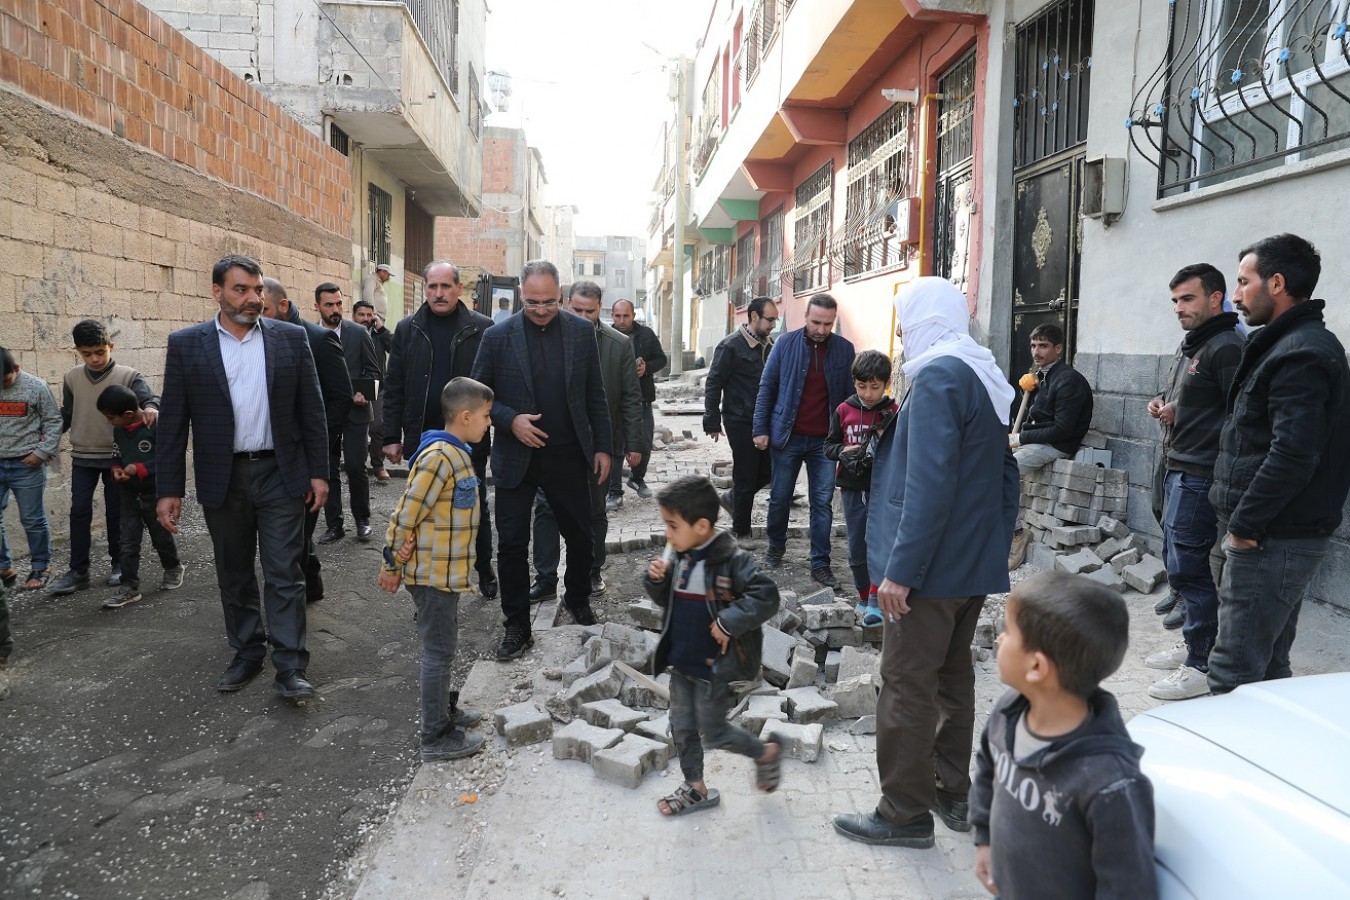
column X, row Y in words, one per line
column 936, row 322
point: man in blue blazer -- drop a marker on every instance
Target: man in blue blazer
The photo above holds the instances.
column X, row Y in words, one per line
column 246, row 387
column 941, row 514
column 551, row 433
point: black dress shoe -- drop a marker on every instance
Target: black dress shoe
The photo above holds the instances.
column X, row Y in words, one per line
column 543, row 589
column 597, row 584
column 239, row 673
column 1176, row 618
column 487, row 585
column 293, row 686
column 336, row 533
column 363, row 531
column 1166, row 604
column 584, row 615
column 955, row 814
column 873, row 829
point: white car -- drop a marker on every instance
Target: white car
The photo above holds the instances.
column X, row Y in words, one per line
column 1252, row 791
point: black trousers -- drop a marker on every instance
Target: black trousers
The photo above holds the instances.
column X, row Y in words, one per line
column 564, row 475
column 347, row 450
column 750, row 471
column 483, row 544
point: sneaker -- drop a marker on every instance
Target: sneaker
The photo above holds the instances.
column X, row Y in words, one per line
column 773, row 557
column 824, row 575
column 454, row 744
column 1168, row 659
column 613, row 502
column 173, row 578
column 1183, row 684
column 640, row 488
column 126, row 595
column 115, row 576
column 515, row 642
column 725, row 499
column 1176, row 618
column 1017, row 553
column 1167, row 604
column 69, row 583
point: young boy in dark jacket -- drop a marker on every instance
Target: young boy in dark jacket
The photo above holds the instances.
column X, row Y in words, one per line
column 1058, row 805
column 852, row 425
column 716, row 601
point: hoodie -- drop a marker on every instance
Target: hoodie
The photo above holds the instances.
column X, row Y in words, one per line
column 851, row 425
column 1072, row 819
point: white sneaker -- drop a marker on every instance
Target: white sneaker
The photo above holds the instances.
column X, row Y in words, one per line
column 1183, row 684
column 1168, row 659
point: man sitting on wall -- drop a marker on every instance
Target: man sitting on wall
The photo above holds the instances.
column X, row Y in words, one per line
column 1061, row 407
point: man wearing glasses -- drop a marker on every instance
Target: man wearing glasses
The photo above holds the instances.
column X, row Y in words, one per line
column 729, row 403
column 552, row 430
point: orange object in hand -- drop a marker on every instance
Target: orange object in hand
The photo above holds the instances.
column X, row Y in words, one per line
column 1027, row 382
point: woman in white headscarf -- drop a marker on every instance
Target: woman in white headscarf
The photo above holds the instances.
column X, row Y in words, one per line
column 942, row 507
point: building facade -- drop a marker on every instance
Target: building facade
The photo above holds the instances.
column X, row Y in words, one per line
column 615, row 262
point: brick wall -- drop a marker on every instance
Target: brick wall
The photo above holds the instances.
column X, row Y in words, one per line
column 131, row 161
column 480, row 245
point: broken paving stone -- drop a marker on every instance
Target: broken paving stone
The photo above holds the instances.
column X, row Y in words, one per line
column 1112, row 527
column 804, row 667
column 832, row 659
column 1109, row 577
column 656, row 729
column 806, row 705
column 864, row 725
column 984, row 635
column 1145, row 575
column 557, row 707
column 598, row 652
column 762, row 708
column 579, row 740
column 1079, row 563
column 801, row 742
column 646, row 614
column 523, row 724
column 854, row 661
column 777, row 656
column 631, row 645
column 788, row 600
column 1111, row 547
column 574, row 670
column 836, row 614
column 855, row 697
column 786, row 620
column 822, row 597
column 601, row 685
column 629, row 761
column 1126, row 558
column 553, row 674
column 853, row 636
column 612, row 714
column 634, row 693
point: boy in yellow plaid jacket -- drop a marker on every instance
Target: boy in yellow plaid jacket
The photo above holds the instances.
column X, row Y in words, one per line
column 434, row 527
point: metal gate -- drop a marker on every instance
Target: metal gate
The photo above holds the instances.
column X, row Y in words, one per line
column 1050, row 109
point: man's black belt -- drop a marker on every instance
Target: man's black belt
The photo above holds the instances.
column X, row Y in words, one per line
column 255, row 454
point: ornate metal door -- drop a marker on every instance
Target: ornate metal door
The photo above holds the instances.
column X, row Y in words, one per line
column 1054, row 62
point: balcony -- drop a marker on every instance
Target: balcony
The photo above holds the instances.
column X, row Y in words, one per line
column 395, row 101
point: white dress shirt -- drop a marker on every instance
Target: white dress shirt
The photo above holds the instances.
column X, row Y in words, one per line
column 246, row 371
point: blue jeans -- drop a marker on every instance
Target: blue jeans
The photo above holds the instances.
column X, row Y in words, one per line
column 787, row 463
column 855, row 517
column 28, row 484
column 1259, row 600
column 698, row 718
column 1189, row 525
column 438, row 626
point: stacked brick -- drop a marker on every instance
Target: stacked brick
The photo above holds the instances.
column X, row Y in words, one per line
column 1071, row 493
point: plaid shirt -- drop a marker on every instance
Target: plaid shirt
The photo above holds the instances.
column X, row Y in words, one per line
column 440, row 506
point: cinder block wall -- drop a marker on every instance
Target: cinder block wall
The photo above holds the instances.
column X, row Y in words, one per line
column 131, row 162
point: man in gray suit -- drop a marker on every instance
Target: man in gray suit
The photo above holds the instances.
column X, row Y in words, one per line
column 552, row 433
column 943, row 505
column 347, row 448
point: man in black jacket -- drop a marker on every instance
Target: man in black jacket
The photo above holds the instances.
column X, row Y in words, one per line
column 729, row 402
column 650, row 360
column 1061, row 409
column 1191, row 411
column 1281, row 477
column 436, row 343
column 363, row 312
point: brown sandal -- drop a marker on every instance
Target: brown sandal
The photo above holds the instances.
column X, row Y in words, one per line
column 685, row 799
column 36, row 581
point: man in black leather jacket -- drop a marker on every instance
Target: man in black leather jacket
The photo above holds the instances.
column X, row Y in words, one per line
column 1061, row 409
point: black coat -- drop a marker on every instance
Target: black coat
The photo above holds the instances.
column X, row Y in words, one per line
column 732, row 384
column 1061, row 410
column 647, row 346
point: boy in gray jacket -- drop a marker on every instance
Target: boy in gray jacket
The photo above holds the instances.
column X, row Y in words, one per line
column 1059, row 806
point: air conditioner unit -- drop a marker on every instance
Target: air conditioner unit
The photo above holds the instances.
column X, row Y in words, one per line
column 1103, row 187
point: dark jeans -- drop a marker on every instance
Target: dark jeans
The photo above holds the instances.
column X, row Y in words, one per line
column 84, row 479
column 438, row 626
column 482, row 547
column 375, row 433
column 640, row 470
column 926, row 709
column 787, row 462
column 855, row 517
column 260, row 518
column 348, row 453
column 564, row 475
column 698, row 719
column 1189, row 524
column 751, row 470
column 547, row 545
column 138, row 514
column 6, row 635
column 1259, row 601
column 28, row 483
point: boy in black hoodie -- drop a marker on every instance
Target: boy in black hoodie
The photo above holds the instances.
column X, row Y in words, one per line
column 1059, row 806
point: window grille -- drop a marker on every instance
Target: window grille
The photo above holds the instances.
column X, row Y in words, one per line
column 381, row 229
column 1054, row 62
column 338, row 140
column 878, row 175
column 811, row 231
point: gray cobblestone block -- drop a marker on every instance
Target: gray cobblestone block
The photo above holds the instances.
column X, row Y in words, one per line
column 1073, row 535
column 1075, row 513
column 612, row 714
column 1111, row 547
column 1125, row 558
column 646, row 614
column 1074, row 498
column 777, row 656
column 838, row 638
column 818, row 639
column 804, row 668
column 854, row 661
column 630, row 645
column 786, row 620
column 788, row 600
column 634, row 694
column 855, row 697
column 806, row 705
column 832, row 660
column 656, row 729
column 1145, row 575
column 1079, row 563
column 836, row 614
column 1043, row 505
column 599, row 652
column 803, row 742
column 822, row 597
column 1041, row 555
column 574, row 670
column 523, row 724
column 603, row 684
column 629, row 761
column 579, row 740
column 864, row 725
column 657, row 537
column 1109, row 577
column 761, row 708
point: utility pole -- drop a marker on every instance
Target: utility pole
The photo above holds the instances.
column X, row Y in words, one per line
column 681, row 188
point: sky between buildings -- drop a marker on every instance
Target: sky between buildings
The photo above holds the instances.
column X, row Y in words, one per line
column 591, row 97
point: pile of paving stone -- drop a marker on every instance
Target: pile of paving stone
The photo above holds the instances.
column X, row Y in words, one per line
column 820, row 668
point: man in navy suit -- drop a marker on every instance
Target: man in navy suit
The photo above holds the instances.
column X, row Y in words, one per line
column 552, row 434
column 246, row 387
column 347, row 447
column 941, row 513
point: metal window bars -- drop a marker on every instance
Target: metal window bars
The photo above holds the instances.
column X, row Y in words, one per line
column 810, row 265
column 878, row 175
column 1245, row 85
column 1053, row 66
